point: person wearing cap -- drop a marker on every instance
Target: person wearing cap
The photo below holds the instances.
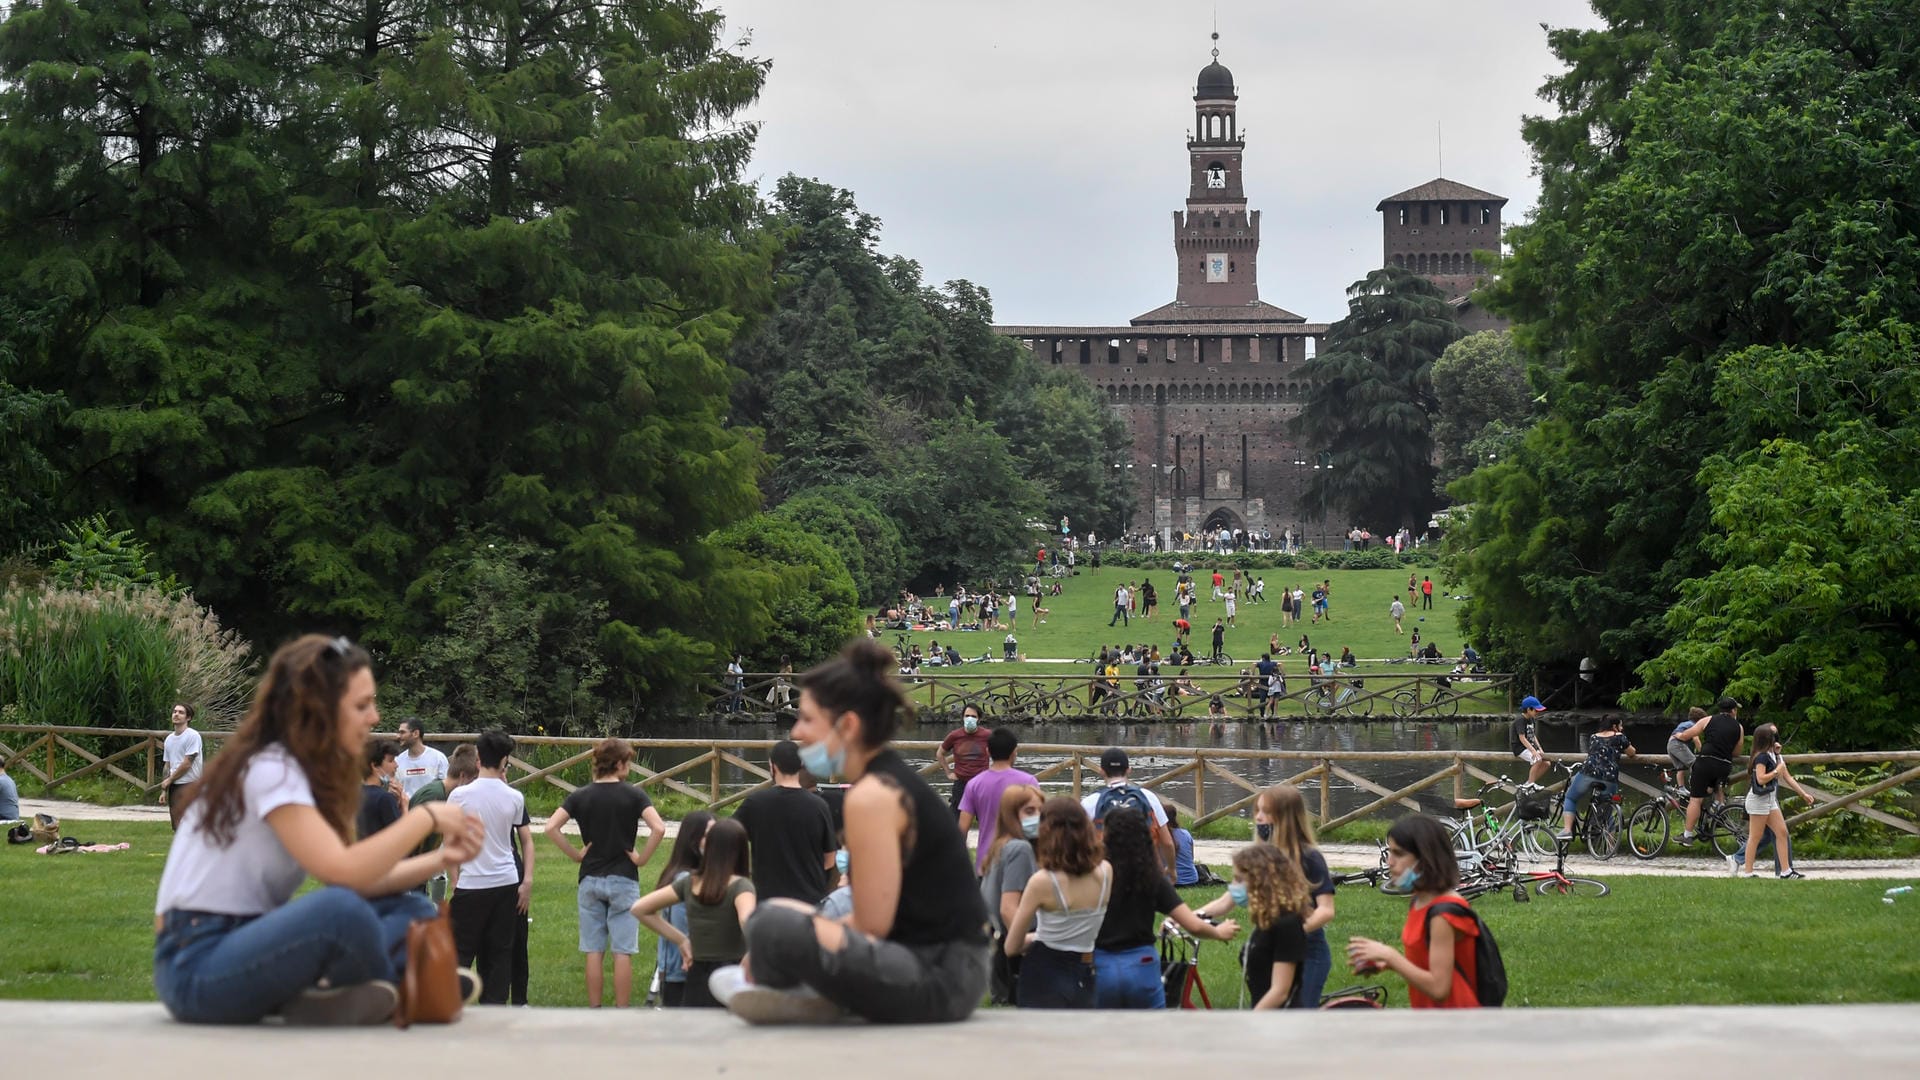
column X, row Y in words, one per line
column 1118, row 771
column 1526, row 739
column 1720, row 736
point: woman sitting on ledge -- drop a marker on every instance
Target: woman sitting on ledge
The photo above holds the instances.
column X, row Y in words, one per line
column 275, row 807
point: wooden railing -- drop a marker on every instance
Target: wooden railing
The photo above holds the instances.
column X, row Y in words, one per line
column 52, row 756
column 941, row 692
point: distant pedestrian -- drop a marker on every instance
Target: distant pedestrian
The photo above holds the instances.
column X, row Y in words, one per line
column 1219, row 640
column 1399, row 612
column 1232, row 607
column 1426, row 593
column 182, row 753
column 1122, row 600
column 1765, row 771
column 966, row 746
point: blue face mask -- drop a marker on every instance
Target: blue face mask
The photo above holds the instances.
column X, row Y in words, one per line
column 1264, row 831
column 1238, row 890
column 1030, row 827
column 1407, row 879
column 840, row 861
column 821, row 762
column 971, row 723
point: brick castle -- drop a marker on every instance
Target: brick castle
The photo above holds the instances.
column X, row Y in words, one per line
column 1207, row 384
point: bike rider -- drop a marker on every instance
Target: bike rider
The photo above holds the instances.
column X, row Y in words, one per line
column 1720, row 737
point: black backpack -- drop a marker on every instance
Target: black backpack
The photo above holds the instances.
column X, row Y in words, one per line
column 1490, row 972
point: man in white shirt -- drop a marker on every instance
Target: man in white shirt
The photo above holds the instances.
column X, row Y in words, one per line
column 419, row 764
column 489, row 895
column 1122, row 791
column 181, row 751
column 1121, row 599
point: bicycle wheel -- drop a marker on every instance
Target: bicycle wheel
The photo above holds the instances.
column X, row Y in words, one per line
column 1729, row 830
column 1603, row 828
column 1572, row 886
column 1359, row 705
column 1648, row 830
column 1537, row 840
column 1444, row 703
column 1405, row 704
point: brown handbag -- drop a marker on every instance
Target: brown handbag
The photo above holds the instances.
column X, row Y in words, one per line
column 430, row 989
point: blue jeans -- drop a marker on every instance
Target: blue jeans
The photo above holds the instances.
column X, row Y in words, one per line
column 239, row 969
column 1051, row 979
column 1314, row 970
column 1577, row 789
column 1128, row 979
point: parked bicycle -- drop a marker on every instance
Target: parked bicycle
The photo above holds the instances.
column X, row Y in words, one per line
column 1493, row 876
column 1527, row 825
column 1339, row 697
column 1444, row 701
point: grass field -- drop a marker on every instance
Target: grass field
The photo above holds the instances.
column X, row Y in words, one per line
column 1075, row 627
column 80, row 927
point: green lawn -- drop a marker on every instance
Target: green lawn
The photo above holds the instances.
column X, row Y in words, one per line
column 81, row 928
column 1076, row 627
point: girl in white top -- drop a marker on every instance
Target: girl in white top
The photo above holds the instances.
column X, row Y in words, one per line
column 1068, row 898
column 276, row 806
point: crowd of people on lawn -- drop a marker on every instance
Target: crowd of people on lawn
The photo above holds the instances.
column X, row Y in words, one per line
column 813, row 902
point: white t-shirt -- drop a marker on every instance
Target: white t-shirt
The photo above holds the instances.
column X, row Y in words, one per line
column 417, row 772
column 1159, row 812
column 176, row 749
column 500, row 809
column 253, row 875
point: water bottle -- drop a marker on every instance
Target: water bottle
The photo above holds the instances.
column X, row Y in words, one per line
column 1899, row 891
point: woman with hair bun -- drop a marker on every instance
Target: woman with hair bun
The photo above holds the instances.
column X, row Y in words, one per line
column 277, row 806
column 915, row 948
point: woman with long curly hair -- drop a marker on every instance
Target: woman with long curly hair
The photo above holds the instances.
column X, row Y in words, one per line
column 1068, row 901
column 1276, row 897
column 1280, row 819
column 1126, row 962
column 275, row 807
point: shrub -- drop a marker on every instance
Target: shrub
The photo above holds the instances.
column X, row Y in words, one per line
column 1308, row 559
column 117, row 657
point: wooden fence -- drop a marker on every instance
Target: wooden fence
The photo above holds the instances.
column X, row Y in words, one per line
column 941, row 692
column 54, row 757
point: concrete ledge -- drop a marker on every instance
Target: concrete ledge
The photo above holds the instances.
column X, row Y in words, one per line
column 76, row 1041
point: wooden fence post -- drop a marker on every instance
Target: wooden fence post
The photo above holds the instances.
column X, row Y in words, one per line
column 1199, row 785
column 1326, row 788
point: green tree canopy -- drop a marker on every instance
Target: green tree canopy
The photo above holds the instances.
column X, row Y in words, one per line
column 1729, row 215
column 813, row 608
column 1372, row 402
column 1482, row 403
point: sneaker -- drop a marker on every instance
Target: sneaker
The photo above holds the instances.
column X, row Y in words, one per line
column 1683, row 840
column 1733, row 865
column 469, row 984
column 765, row 1005
column 358, row 1005
column 1563, row 838
column 726, row 982
column 1792, row 874
column 1749, row 873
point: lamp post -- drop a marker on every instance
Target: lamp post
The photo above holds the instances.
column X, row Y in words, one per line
column 1300, row 466
column 1126, row 520
column 1325, row 462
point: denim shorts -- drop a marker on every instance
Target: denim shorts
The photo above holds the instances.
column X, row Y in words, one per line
column 607, row 923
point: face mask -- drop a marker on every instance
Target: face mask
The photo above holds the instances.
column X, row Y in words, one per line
column 1407, row 878
column 1238, row 890
column 821, row 762
column 840, row 861
column 970, row 723
column 1030, row 827
column 1264, row 831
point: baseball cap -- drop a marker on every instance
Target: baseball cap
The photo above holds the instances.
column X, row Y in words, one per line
column 1530, row 703
column 1726, row 704
column 1113, row 761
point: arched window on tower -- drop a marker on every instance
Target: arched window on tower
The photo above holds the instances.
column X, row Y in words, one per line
column 1486, row 215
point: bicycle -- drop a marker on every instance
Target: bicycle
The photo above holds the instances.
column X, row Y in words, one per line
column 1533, row 836
column 1444, row 701
column 1554, row 882
column 1651, row 827
column 1600, row 821
column 1180, row 968
column 1336, row 698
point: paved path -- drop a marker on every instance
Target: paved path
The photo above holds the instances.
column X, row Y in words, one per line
column 1220, row 852
column 75, row 1041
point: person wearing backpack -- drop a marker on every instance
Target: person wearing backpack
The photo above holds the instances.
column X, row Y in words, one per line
column 1122, row 791
column 1450, row 960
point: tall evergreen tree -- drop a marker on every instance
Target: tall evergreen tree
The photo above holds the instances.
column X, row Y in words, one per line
column 1371, row 407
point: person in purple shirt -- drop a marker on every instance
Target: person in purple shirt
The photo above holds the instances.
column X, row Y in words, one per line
column 981, row 800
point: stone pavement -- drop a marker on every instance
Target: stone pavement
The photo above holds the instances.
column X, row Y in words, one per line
column 76, row 1041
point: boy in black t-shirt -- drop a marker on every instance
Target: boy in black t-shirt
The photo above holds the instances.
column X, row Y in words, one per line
column 609, row 812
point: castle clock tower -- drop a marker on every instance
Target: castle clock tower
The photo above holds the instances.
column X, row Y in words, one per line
column 1216, row 240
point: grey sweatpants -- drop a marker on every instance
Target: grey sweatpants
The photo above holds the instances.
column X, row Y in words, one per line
column 881, row 981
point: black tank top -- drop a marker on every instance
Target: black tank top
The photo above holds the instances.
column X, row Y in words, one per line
column 939, row 895
column 1721, row 738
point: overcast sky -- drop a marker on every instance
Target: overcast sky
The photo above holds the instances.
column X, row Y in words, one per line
column 1037, row 147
